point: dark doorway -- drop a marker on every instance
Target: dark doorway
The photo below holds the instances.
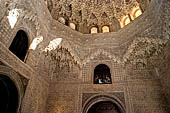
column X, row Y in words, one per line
column 102, row 74
column 104, row 107
column 19, row 45
column 8, row 95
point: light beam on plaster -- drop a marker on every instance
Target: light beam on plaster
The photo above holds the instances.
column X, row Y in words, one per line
column 53, row 44
column 13, row 17
column 35, row 42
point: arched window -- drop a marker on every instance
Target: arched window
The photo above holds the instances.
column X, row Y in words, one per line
column 126, row 21
column 62, row 20
column 72, row 25
column 105, row 29
column 19, row 45
column 103, row 104
column 102, row 74
column 137, row 13
column 8, row 95
column 94, row 30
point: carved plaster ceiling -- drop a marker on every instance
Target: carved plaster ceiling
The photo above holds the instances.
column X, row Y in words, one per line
column 88, row 13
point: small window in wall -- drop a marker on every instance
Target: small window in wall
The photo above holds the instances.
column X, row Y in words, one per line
column 62, row 20
column 94, row 30
column 19, row 45
column 126, row 21
column 137, row 13
column 105, row 29
column 102, row 74
column 72, row 25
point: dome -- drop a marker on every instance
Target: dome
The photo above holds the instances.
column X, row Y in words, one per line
column 87, row 14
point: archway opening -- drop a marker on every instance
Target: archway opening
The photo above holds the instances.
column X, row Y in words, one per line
column 72, row 25
column 126, row 21
column 104, row 107
column 8, row 95
column 62, row 20
column 102, row 74
column 94, row 30
column 19, row 45
column 137, row 13
column 105, row 29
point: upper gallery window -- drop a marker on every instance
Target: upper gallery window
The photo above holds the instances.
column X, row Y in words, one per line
column 137, row 13
column 126, row 21
column 72, row 25
column 105, row 29
column 62, row 20
column 94, row 30
column 102, row 74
